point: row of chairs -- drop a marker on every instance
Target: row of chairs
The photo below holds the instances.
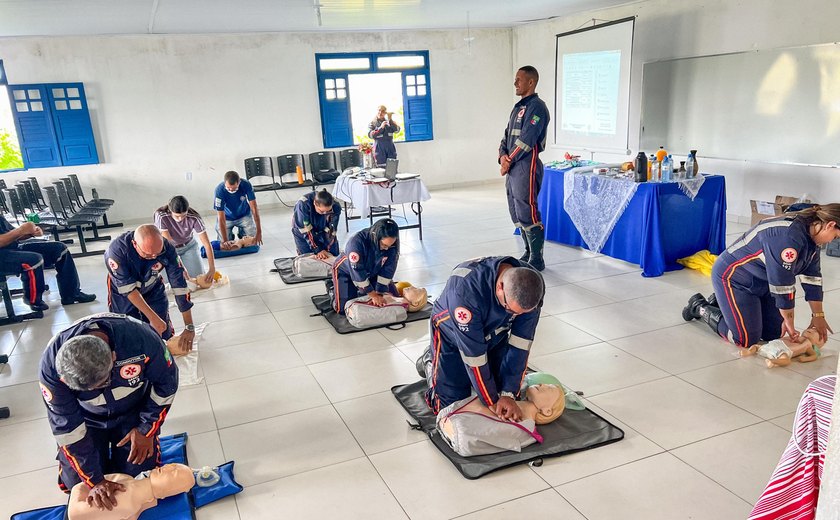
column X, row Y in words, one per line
column 280, row 172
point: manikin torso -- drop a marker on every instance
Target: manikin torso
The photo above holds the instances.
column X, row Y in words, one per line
column 139, row 495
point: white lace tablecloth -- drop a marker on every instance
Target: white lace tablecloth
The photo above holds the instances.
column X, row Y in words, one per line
column 594, row 203
column 364, row 194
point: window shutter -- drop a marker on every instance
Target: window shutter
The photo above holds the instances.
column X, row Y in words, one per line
column 31, row 112
column 417, row 105
column 334, row 94
column 71, row 121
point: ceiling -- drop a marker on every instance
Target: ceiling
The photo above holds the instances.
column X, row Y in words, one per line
column 89, row 17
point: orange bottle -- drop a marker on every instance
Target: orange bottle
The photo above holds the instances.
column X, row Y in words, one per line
column 299, row 174
column 661, row 153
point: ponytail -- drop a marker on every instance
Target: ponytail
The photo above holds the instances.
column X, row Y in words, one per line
column 822, row 213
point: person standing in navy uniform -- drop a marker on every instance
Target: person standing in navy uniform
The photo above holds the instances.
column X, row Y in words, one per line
column 315, row 224
column 382, row 130
column 30, row 258
column 135, row 287
column 481, row 330
column 367, row 265
column 519, row 159
column 754, row 278
column 108, row 382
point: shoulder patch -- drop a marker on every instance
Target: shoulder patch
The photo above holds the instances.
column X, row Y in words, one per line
column 789, row 255
column 130, row 371
column 113, row 264
column 535, row 120
column 353, row 257
column 46, row 392
column 521, row 113
column 462, row 315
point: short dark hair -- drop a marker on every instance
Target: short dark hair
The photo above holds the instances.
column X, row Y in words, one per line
column 231, row 177
column 385, row 228
column 531, row 72
column 524, row 286
column 324, row 198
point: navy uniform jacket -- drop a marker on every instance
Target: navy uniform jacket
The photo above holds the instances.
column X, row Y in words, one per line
column 526, row 130
column 775, row 252
column 144, row 380
column 319, row 230
column 363, row 260
column 387, row 133
column 478, row 323
column 128, row 271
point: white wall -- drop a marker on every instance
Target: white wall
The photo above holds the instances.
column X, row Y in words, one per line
column 668, row 29
column 164, row 105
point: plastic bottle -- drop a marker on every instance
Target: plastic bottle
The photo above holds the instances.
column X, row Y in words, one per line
column 693, row 155
column 667, row 169
column 299, row 171
column 640, row 167
column 661, row 153
column 690, row 172
column 651, row 160
column 656, row 171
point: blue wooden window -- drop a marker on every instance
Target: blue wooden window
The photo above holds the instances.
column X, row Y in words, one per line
column 333, row 70
column 53, row 124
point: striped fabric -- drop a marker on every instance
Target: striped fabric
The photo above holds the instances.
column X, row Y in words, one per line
column 794, row 487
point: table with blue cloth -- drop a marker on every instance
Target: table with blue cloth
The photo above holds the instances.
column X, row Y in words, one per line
column 659, row 225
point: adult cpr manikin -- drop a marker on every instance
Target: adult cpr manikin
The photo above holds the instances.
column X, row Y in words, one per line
column 139, row 495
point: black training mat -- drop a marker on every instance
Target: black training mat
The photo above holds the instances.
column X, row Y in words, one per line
column 283, row 266
column 342, row 326
column 575, row 430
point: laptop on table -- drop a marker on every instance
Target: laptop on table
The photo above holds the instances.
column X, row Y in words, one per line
column 391, row 167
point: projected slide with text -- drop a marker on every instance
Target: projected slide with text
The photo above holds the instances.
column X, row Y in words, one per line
column 590, row 92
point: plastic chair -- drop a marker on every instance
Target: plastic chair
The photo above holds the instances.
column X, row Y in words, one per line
column 261, row 168
column 350, row 158
column 287, row 171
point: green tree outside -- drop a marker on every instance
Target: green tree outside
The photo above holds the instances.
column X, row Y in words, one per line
column 10, row 156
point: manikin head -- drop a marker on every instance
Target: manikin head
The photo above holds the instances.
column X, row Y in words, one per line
column 813, row 336
column 84, row 363
column 519, row 290
column 416, row 298
column 171, row 479
column 546, row 393
column 148, row 242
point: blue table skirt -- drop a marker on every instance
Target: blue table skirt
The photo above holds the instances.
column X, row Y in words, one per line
column 659, row 225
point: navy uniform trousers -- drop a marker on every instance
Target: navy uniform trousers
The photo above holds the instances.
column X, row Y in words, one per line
column 30, row 258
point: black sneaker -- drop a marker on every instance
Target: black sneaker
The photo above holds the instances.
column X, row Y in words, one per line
column 692, row 310
column 79, row 298
column 39, row 306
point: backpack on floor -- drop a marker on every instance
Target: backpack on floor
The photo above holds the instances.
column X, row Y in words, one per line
column 310, row 266
column 361, row 313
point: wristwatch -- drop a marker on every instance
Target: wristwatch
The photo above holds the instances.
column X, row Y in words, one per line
column 190, row 327
column 818, row 315
column 507, row 394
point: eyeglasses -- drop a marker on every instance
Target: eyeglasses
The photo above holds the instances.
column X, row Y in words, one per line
column 505, row 304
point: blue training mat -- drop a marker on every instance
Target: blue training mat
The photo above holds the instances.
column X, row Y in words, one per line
column 173, row 449
column 218, row 253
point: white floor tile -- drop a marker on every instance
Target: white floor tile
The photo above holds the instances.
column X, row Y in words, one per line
column 226, row 333
column 762, row 391
column 595, row 369
column 224, row 509
column 538, row 505
column 567, row 298
column 672, row 413
column 27, row 446
column 413, row 332
column 657, row 488
column 291, row 298
column 300, row 319
column 364, row 374
column 626, row 286
column 347, row 490
column 263, row 396
column 191, row 412
column 248, row 359
column 24, row 402
column 554, row 335
column 289, row 444
column 428, row 486
column 28, row 491
column 785, row 422
column 378, row 422
column 741, row 461
column 21, row 368
column 227, row 309
column 324, row 345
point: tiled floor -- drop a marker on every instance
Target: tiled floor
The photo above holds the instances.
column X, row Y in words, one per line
column 308, row 417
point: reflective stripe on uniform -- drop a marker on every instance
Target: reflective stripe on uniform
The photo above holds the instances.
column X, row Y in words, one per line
column 474, row 361
column 99, row 400
column 811, row 280
column 161, row 401
column 180, row 291
column 461, row 271
column 516, row 131
column 782, row 289
column 33, row 267
column 121, row 392
column 66, row 439
column 382, row 280
column 362, row 284
column 520, row 343
column 125, row 289
column 305, row 229
column 525, row 148
column 741, row 242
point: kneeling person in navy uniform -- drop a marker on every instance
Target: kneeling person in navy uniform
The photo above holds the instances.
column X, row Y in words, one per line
column 108, row 382
column 30, row 258
column 755, row 278
column 315, row 224
column 135, row 286
column 482, row 327
column 367, row 265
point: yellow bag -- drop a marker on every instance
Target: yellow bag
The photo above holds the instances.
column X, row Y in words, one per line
column 701, row 261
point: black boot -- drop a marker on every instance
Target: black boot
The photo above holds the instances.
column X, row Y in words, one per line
column 79, row 298
column 536, row 238
column 711, row 316
column 712, row 299
column 527, row 255
column 692, row 310
column 424, row 363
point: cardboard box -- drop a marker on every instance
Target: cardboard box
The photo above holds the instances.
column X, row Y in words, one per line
column 763, row 209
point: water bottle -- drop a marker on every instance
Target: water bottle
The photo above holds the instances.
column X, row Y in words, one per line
column 667, row 169
column 651, row 160
column 95, row 195
column 655, row 171
column 690, row 172
column 693, row 154
column 640, row 167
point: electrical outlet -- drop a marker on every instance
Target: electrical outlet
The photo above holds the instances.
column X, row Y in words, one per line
column 188, row 176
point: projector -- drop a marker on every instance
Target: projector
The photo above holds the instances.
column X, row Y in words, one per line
column 377, row 172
